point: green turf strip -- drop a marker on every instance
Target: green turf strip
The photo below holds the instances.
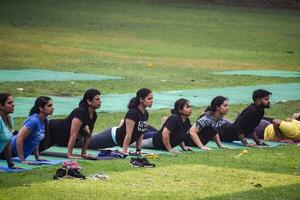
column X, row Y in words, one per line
column 276, row 73
column 46, row 75
column 211, row 144
column 166, row 99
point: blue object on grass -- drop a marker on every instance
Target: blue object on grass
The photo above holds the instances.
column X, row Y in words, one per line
column 7, row 169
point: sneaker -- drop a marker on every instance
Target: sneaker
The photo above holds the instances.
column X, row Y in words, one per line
column 136, row 162
column 146, row 163
column 74, row 173
column 60, row 173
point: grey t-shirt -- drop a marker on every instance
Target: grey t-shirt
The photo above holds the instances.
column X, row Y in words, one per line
column 208, row 120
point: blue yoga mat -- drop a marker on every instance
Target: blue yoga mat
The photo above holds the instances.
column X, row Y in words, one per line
column 51, row 161
column 36, row 162
column 7, row 169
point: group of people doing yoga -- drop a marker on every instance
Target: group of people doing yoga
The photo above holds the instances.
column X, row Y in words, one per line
column 38, row 133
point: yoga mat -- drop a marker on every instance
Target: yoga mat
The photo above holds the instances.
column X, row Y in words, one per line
column 7, row 169
column 36, row 162
column 63, row 151
column 51, row 161
column 55, row 151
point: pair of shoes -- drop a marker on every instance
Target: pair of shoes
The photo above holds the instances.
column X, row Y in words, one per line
column 146, row 163
column 68, row 173
column 136, row 162
column 60, row 173
column 74, row 173
column 141, row 162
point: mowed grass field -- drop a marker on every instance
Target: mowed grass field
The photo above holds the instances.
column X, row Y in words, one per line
column 163, row 46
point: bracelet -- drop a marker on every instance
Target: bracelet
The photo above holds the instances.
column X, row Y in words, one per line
column 138, row 149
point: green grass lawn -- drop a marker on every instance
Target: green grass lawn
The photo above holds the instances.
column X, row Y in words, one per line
column 146, row 43
column 162, row 46
column 259, row 174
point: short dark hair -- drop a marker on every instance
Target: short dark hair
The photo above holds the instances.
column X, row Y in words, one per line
column 260, row 93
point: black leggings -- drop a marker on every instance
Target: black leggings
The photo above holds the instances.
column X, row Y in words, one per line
column 102, row 140
column 227, row 133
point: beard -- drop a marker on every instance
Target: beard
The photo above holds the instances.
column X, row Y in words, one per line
column 265, row 106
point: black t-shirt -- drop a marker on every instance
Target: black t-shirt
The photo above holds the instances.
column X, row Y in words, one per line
column 140, row 126
column 177, row 128
column 248, row 120
column 60, row 128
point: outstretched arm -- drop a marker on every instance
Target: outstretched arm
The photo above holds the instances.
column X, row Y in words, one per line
column 185, row 148
column 22, row 135
column 129, row 129
column 7, row 152
column 194, row 130
column 75, row 127
column 166, row 139
column 218, row 141
column 244, row 141
column 139, row 143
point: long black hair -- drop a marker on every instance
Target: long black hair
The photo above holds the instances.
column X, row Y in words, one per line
column 88, row 95
column 135, row 101
column 5, row 118
column 215, row 103
column 41, row 101
column 178, row 105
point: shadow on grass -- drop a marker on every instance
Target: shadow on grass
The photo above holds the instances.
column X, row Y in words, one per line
column 43, row 174
column 290, row 192
column 283, row 160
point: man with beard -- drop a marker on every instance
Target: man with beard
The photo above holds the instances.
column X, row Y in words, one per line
column 248, row 120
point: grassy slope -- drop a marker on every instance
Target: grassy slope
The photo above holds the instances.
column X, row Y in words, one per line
column 147, row 43
column 210, row 175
